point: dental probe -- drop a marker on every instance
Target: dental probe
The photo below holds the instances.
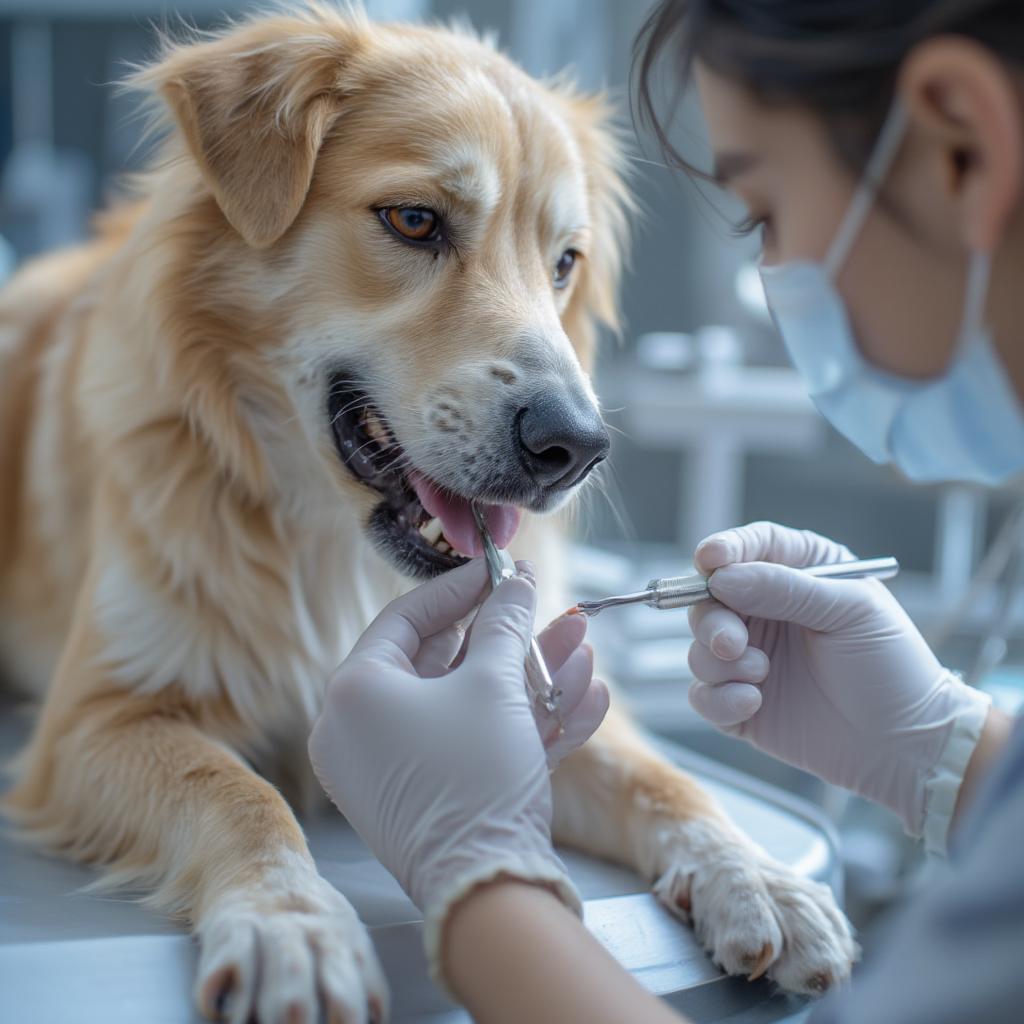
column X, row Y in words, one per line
column 683, row 591
column 501, row 567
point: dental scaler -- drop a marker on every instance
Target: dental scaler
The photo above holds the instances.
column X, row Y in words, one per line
column 500, row 566
column 682, row 591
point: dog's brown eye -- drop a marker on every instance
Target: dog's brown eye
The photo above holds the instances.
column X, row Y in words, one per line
column 563, row 268
column 416, row 223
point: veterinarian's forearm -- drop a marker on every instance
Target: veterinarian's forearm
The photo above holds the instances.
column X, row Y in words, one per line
column 514, row 953
column 994, row 737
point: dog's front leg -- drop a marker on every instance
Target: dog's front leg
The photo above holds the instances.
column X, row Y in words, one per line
column 133, row 783
column 618, row 798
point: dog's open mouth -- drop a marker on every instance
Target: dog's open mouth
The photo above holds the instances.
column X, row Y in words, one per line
column 423, row 528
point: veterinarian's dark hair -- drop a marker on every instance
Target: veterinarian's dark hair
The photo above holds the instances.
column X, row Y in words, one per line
column 840, row 58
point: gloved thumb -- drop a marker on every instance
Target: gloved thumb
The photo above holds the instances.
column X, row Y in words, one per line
column 502, row 630
column 768, row 591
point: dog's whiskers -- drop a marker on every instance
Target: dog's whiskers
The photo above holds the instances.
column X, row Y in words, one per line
column 400, row 462
column 384, row 449
column 603, row 482
column 348, row 408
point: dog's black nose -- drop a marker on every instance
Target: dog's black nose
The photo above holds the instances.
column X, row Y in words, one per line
column 561, row 439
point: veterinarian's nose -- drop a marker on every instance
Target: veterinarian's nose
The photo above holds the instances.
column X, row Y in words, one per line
column 561, row 439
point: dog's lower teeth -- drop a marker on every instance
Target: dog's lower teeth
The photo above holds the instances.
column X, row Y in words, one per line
column 444, row 547
column 431, row 531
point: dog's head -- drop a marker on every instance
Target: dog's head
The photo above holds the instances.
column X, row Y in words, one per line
column 445, row 234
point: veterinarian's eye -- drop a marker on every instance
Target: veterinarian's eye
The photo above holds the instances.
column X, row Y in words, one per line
column 563, row 268
column 416, row 223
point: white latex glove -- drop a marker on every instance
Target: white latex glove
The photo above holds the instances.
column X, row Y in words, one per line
column 830, row 676
column 442, row 771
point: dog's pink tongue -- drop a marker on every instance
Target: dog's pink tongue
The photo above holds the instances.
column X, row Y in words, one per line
column 457, row 520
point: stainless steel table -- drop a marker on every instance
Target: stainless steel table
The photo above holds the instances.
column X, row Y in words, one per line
column 72, row 959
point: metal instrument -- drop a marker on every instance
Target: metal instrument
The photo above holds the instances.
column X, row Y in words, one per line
column 683, row 591
column 538, row 680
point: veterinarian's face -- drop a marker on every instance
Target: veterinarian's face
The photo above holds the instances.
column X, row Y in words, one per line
column 954, row 188
column 436, row 257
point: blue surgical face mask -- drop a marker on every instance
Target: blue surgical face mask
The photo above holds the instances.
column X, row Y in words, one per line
column 966, row 425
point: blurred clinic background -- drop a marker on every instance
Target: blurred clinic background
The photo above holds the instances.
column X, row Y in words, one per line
column 712, row 428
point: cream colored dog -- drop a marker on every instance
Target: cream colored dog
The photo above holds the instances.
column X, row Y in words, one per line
column 359, row 288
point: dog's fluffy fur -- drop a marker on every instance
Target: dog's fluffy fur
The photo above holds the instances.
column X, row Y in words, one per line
column 183, row 556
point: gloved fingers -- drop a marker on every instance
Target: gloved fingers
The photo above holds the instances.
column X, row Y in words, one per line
column 580, row 725
column 719, row 628
column 574, row 677
column 725, row 705
column 525, row 568
column 425, row 611
column 560, row 638
column 784, row 594
column 767, row 542
column 437, row 652
column 750, row 667
column 502, row 629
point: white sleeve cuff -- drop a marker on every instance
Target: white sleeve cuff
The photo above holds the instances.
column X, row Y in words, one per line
column 538, row 869
column 943, row 785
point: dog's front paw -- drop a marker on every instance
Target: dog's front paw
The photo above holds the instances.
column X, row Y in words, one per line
column 752, row 914
column 288, row 952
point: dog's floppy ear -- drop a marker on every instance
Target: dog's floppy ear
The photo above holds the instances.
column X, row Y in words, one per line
column 254, row 106
column 595, row 300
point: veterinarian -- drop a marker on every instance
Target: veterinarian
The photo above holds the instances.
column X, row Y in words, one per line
column 878, row 146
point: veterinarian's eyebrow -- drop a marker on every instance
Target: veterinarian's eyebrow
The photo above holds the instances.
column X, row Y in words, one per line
column 729, row 166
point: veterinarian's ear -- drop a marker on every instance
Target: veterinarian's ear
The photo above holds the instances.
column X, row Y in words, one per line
column 595, row 300
column 254, row 108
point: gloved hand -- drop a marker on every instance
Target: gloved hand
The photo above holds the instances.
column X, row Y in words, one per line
column 442, row 771
column 830, row 675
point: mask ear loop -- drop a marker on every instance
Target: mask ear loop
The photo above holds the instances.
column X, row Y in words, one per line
column 889, row 140
column 978, row 273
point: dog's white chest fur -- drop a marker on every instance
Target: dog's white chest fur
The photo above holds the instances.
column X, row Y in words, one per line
column 274, row 671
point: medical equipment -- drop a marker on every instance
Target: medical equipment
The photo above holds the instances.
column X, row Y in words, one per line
column 1001, row 571
column 682, row 591
column 501, row 567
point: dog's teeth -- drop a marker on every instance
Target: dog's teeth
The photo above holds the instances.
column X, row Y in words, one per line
column 431, row 531
column 444, row 547
column 370, row 422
